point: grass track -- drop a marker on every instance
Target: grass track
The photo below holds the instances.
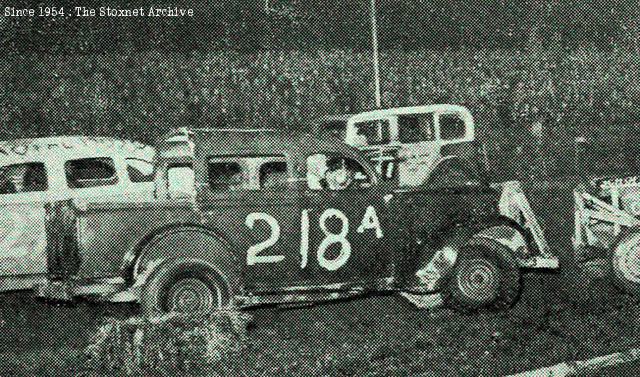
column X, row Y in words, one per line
column 557, row 319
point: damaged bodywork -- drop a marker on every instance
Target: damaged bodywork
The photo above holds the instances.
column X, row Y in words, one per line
column 35, row 173
column 289, row 218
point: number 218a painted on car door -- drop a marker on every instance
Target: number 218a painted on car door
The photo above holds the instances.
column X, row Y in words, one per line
column 338, row 240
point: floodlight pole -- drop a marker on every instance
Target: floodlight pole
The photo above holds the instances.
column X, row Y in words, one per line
column 376, row 62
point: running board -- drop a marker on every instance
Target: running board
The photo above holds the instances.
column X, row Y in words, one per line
column 66, row 290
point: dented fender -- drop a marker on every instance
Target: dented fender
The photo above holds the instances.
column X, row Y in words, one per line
column 509, row 241
column 513, row 240
column 506, row 236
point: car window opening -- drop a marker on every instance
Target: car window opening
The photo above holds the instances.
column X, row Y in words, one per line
column 415, row 128
column 247, row 173
column 273, row 174
column 333, row 173
column 373, row 132
column 452, row 127
column 21, row 178
column 90, row 172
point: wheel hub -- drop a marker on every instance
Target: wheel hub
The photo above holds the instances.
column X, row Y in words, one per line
column 478, row 279
column 628, row 262
column 191, row 296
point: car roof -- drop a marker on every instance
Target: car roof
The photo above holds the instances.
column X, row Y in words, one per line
column 264, row 142
column 316, row 124
column 446, row 107
column 40, row 149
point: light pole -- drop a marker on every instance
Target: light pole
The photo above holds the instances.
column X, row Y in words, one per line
column 376, row 62
column 374, row 41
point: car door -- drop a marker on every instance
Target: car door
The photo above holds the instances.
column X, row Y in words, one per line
column 23, row 238
column 250, row 200
column 349, row 235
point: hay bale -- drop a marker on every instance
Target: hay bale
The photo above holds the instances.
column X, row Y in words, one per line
column 170, row 344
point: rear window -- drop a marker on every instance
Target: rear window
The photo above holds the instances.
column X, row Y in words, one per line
column 90, row 172
column 452, row 127
column 19, row 178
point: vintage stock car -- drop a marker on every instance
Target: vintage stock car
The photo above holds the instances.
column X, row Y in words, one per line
column 287, row 218
column 409, row 145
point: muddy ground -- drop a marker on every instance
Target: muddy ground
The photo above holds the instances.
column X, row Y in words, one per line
column 559, row 317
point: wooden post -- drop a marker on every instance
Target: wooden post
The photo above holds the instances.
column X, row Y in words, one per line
column 578, row 237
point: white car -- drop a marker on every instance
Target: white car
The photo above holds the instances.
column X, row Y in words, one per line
column 409, row 144
column 37, row 172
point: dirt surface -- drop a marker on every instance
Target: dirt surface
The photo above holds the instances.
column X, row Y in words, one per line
column 559, row 317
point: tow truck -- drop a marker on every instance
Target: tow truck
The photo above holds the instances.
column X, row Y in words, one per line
column 607, row 228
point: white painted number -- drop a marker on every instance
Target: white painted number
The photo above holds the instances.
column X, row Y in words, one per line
column 304, row 239
column 252, row 253
column 334, row 238
column 370, row 221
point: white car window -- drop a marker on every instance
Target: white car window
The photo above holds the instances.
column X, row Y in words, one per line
column 19, row 178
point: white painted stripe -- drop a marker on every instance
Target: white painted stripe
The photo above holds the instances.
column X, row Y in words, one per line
column 572, row 368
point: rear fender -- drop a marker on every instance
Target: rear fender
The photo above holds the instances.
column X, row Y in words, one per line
column 187, row 242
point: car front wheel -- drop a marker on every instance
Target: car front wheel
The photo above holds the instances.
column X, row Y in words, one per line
column 481, row 279
column 625, row 262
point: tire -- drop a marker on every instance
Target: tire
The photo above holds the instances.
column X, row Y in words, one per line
column 624, row 262
column 189, row 287
column 482, row 279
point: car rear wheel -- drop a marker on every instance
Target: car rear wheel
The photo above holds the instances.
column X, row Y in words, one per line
column 481, row 279
column 184, row 287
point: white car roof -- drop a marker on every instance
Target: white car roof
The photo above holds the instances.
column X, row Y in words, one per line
column 70, row 147
column 443, row 107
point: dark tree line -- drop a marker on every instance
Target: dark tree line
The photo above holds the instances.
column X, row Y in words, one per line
column 246, row 25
